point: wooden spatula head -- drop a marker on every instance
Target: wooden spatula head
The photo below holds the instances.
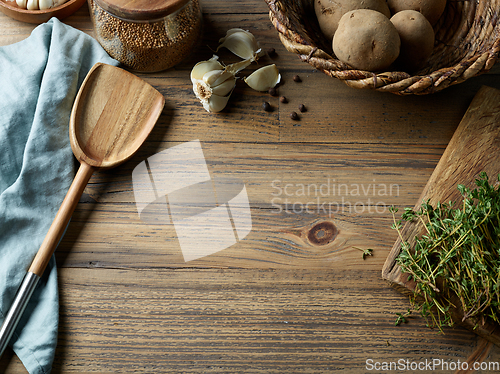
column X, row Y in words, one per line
column 114, row 112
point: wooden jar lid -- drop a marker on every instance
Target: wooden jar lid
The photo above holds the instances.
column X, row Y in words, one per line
column 141, row 10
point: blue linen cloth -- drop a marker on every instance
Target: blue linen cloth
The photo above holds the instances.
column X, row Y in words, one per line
column 39, row 79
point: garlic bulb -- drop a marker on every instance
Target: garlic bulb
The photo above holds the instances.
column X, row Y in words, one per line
column 212, row 84
column 242, row 43
column 264, row 78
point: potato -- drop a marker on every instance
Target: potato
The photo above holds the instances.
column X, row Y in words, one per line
column 329, row 12
column 417, row 39
column 366, row 40
column 431, row 9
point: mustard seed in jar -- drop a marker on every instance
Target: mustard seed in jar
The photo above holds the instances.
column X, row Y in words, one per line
column 145, row 35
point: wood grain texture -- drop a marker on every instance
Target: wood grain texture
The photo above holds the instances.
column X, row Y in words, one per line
column 113, row 114
column 347, row 185
column 142, row 9
column 474, row 148
column 61, row 220
column 264, row 321
column 289, row 297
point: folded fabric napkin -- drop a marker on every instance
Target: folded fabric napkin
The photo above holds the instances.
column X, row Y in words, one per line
column 39, row 79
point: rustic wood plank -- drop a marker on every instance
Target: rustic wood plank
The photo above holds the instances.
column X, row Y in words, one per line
column 236, row 321
column 378, row 118
column 291, row 188
column 259, row 165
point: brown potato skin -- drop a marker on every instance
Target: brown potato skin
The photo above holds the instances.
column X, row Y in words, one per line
column 431, row 9
column 417, row 39
column 366, row 40
column 329, row 12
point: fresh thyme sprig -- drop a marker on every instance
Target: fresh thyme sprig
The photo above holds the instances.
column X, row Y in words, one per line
column 366, row 252
column 403, row 317
column 456, row 262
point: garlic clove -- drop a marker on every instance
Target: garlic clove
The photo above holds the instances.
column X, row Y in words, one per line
column 242, row 43
column 212, row 75
column 202, row 67
column 264, row 78
column 224, row 88
column 32, row 5
column 215, row 77
column 45, row 4
column 227, row 75
column 233, row 31
column 238, row 66
column 217, row 103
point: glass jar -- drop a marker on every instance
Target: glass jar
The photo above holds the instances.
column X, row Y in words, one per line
column 145, row 35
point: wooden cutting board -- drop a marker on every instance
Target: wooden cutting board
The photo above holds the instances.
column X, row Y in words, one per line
column 474, row 147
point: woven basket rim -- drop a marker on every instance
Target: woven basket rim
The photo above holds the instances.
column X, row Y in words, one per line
column 397, row 82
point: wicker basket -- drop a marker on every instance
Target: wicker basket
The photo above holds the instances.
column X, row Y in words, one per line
column 467, row 44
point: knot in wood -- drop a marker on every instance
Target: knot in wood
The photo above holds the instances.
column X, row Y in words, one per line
column 322, row 233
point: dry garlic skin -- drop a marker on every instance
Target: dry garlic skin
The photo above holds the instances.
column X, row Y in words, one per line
column 366, row 40
column 144, row 35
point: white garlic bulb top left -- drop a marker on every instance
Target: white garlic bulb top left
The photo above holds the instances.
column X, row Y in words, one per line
column 39, row 4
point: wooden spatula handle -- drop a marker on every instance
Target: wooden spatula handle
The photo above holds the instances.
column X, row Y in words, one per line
column 61, row 220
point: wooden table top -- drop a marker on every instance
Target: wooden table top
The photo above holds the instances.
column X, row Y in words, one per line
column 295, row 294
